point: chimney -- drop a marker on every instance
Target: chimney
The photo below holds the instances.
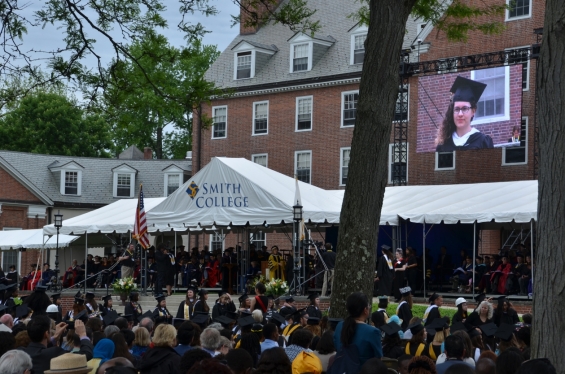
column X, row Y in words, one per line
column 147, row 153
column 189, row 155
column 245, row 16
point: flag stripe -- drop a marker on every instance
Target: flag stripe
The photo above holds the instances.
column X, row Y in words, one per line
column 140, row 225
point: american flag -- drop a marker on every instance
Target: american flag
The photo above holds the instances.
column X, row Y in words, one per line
column 140, row 227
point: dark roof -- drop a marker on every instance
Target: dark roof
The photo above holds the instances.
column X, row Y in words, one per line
column 35, row 172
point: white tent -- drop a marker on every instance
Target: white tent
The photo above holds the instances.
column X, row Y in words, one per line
column 32, row 239
column 117, row 217
column 238, row 192
column 464, row 203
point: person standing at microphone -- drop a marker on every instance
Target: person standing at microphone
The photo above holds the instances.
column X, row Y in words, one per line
column 127, row 261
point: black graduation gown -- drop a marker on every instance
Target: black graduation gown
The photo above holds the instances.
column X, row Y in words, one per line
column 458, row 317
column 222, row 310
column 198, row 307
column 385, row 275
column 399, row 280
column 510, row 318
column 136, row 312
column 477, row 140
column 433, row 314
column 405, row 314
column 314, row 312
column 162, row 312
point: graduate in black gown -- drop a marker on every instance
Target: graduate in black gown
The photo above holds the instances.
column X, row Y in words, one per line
column 456, row 132
column 399, row 280
column 385, row 272
column 432, row 312
column 404, row 308
column 161, row 310
column 223, row 305
column 313, row 310
column 107, row 305
column 132, row 307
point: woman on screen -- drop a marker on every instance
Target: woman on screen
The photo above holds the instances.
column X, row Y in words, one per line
column 456, row 132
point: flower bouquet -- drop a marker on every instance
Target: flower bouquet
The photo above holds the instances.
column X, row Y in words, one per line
column 124, row 285
column 276, row 287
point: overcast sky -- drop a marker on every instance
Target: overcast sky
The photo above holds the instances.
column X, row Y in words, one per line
column 49, row 37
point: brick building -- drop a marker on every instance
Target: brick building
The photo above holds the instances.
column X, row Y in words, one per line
column 34, row 187
column 294, row 101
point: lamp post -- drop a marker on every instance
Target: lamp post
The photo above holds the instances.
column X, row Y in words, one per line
column 58, row 225
column 297, row 217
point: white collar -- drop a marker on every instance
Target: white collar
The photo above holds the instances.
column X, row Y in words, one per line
column 461, row 140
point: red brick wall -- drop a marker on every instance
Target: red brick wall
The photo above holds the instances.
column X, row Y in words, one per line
column 12, row 190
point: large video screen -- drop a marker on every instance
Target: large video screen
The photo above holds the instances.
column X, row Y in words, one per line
column 494, row 121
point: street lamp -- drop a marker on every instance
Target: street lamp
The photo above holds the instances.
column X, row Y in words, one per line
column 58, row 225
column 297, row 217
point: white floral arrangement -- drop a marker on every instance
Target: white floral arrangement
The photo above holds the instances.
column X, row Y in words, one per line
column 124, row 285
column 276, row 287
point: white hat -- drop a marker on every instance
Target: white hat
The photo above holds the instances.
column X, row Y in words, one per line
column 52, row 308
column 460, row 301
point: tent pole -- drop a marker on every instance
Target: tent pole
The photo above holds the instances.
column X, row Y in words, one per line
column 532, row 249
column 424, row 254
column 474, row 255
column 85, row 261
column 177, row 274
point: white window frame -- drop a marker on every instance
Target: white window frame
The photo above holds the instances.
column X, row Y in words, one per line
column 507, row 16
column 527, row 68
column 343, row 107
column 352, row 47
column 310, row 49
column 504, row 163
column 166, row 182
column 296, row 153
column 123, row 170
column 255, row 103
column 217, row 234
column 266, row 155
column 79, row 181
column 262, row 239
column 390, row 156
column 252, row 73
column 436, row 168
column 214, row 108
column 408, row 104
column 311, row 113
column 506, row 116
column 341, row 167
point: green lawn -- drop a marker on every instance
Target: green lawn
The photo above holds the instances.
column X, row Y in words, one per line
column 418, row 310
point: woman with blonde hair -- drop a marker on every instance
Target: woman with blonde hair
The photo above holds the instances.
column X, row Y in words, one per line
column 141, row 342
column 481, row 316
column 162, row 358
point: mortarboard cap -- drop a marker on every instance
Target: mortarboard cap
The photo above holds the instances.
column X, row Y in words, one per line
column 300, row 313
column 222, row 293
column 473, row 332
column 11, row 287
column 225, row 321
column 313, row 296
column 257, row 327
column 504, row 332
column 457, row 326
column 203, row 292
column 464, row 89
column 243, row 297
column 90, row 295
column 405, row 291
column 277, row 319
column 313, row 321
column 433, row 298
column 289, row 299
column 244, row 313
column 437, row 324
column 501, row 300
column 160, row 298
column 55, row 296
column 83, row 316
column 110, row 317
column 22, row 311
column 23, row 298
column 201, row 319
column 390, row 328
column 245, row 321
column 415, row 328
column 40, row 288
column 488, row 329
column 193, row 288
column 480, row 298
column 3, row 287
column 178, row 321
column 334, row 321
column 232, row 315
column 147, row 314
column 3, row 308
column 384, row 246
column 107, row 297
column 79, row 300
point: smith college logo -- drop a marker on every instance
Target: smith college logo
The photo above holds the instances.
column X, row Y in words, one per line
column 192, row 190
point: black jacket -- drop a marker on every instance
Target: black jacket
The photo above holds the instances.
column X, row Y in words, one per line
column 161, row 260
column 41, row 355
column 160, row 360
column 477, row 140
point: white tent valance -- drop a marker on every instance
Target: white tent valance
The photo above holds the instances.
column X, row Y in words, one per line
column 32, row 239
column 117, row 217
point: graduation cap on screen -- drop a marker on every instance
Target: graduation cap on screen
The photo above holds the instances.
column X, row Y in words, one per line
column 334, row 321
column 313, row 321
column 438, row 324
column 390, row 328
column 110, row 317
column 22, row 311
column 489, row 329
column 505, row 332
column 277, row 319
column 464, row 89
column 415, row 328
column 225, row 321
column 245, row 321
column 147, row 314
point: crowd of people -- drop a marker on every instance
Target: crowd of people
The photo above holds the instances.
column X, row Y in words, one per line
column 256, row 337
column 507, row 273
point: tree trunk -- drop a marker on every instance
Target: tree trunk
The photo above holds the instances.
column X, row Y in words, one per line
column 549, row 284
column 367, row 177
column 159, row 143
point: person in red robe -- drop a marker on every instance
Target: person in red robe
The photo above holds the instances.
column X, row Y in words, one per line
column 71, row 275
column 30, row 280
column 501, row 275
column 213, row 268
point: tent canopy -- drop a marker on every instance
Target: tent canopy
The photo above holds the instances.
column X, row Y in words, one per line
column 32, row 239
column 117, row 217
column 238, row 192
column 464, row 203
